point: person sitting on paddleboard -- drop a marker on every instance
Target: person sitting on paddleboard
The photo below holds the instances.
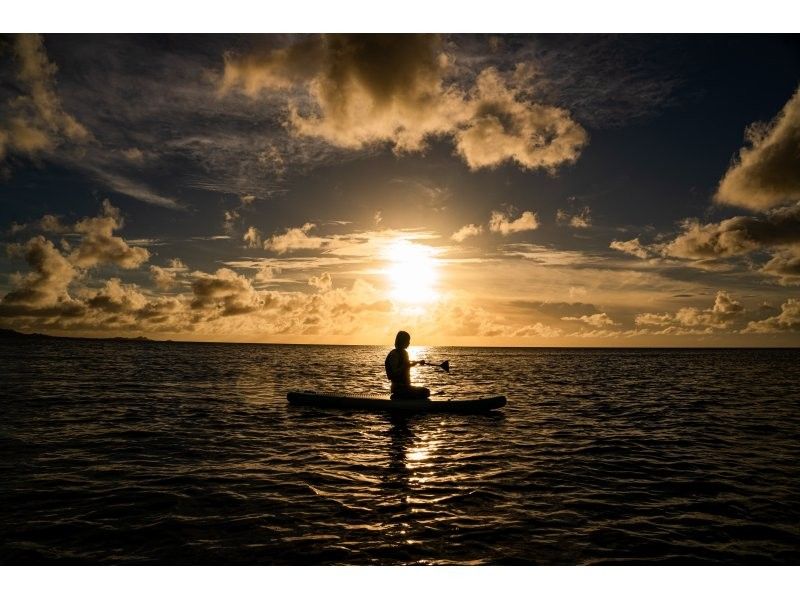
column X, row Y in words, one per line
column 398, row 370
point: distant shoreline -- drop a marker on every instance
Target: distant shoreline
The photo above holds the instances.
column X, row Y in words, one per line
column 9, row 334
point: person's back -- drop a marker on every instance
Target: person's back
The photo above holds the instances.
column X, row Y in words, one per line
column 398, row 370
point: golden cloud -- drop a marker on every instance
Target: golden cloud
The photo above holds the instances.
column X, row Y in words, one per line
column 361, row 90
column 50, row 276
column 722, row 315
column 99, row 245
column 466, row 231
column 786, row 321
column 296, row 238
column 503, row 223
column 767, row 172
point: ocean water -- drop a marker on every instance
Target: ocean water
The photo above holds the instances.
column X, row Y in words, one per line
column 137, row 452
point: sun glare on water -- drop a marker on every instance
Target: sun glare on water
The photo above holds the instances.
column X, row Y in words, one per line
column 412, row 272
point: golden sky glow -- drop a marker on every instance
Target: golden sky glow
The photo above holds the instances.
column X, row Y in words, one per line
column 412, row 271
column 473, row 190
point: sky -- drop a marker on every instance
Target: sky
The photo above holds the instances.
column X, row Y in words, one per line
column 483, row 190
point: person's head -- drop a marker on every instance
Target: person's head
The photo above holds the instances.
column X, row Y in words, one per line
column 402, row 340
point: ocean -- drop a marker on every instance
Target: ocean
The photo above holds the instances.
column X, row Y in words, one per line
column 188, row 453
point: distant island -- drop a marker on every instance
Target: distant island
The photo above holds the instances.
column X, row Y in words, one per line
column 6, row 333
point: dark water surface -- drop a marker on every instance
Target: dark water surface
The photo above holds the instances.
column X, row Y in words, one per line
column 188, row 453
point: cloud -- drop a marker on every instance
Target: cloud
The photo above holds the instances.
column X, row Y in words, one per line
column 224, row 293
column 52, row 224
column 599, row 320
column 538, row 330
column 134, row 189
column 45, row 290
column 360, row 90
column 294, row 239
column 46, row 285
column 633, row 247
column 504, row 127
column 322, row 282
column 466, row 231
column 116, row 297
column 556, row 309
column 776, row 231
column 364, row 88
column 722, row 315
column 35, row 122
column 230, row 218
column 266, row 272
column 767, row 172
column 735, row 236
column 163, row 279
column 502, row 223
column 100, row 246
column 134, row 154
column 581, row 219
column 785, row 265
column 252, row 237
column 787, row 321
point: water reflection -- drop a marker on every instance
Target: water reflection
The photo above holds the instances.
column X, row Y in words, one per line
column 397, row 476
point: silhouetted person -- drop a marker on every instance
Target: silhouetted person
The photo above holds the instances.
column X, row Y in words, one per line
column 398, row 370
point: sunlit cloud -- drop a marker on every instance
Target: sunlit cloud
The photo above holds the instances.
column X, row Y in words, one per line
column 633, row 247
column 785, row 265
column 504, row 224
column 787, row 321
column 599, row 320
column 776, row 231
column 723, row 314
column 467, row 231
column 252, row 237
column 99, row 245
column 580, row 219
column 162, row 278
column 766, row 173
column 323, row 282
column 401, row 90
column 295, row 239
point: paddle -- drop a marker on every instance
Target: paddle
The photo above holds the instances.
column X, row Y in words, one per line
column 445, row 365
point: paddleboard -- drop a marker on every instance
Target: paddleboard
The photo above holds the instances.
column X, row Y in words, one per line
column 310, row 398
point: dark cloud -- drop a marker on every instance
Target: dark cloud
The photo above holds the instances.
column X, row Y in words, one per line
column 34, row 121
column 225, row 292
column 51, row 273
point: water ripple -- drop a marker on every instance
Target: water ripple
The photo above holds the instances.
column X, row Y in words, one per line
column 189, row 453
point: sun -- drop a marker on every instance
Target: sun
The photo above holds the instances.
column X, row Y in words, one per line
column 412, row 272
